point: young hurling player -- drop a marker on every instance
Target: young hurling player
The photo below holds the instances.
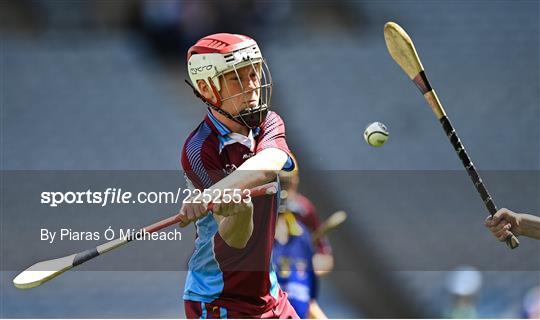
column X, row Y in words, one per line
column 240, row 144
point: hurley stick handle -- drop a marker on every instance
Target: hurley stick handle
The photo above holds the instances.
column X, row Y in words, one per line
column 511, row 241
column 402, row 50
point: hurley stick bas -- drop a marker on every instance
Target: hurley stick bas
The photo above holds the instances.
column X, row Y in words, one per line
column 335, row 220
column 402, row 50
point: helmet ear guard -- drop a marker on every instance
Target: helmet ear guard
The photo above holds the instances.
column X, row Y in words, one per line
column 206, row 67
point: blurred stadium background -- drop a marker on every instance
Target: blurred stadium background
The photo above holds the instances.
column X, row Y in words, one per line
column 98, row 85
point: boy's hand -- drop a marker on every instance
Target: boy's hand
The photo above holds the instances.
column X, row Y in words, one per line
column 504, row 223
column 191, row 211
column 231, row 208
column 194, row 211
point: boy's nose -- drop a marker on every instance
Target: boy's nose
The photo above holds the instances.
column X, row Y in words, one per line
column 252, row 83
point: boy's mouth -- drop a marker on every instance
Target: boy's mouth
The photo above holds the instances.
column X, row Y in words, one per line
column 252, row 104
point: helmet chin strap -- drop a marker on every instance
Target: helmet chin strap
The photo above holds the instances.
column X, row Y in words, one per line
column 251, row 122
column 253, row 119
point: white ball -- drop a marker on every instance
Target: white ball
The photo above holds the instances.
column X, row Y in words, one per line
column 376, row 134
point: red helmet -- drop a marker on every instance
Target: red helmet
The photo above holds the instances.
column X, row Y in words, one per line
column 220, row 43
column 217, row 54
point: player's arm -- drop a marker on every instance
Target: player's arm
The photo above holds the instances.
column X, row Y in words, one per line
column 315, row 311
column 235, row 229
column 257, row 170
column 506, row 221
column 236, row 220
column 530, row 226
column 270, row 156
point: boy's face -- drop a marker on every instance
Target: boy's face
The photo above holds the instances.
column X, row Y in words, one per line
column 241, row 89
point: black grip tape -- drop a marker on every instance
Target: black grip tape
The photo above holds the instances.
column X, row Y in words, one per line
column 447, row 126
column 84, row 256
column 483, row 191
column 463, row 156
column 473, row 174
column 454, row 138
column 456, row 143
column 491, row 207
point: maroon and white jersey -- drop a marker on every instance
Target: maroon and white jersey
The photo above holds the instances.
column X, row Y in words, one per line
column 238, row 279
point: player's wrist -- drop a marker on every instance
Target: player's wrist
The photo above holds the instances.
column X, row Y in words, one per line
column 529, row 225
column 516, row 222
column 519, row 219
column 245, row 209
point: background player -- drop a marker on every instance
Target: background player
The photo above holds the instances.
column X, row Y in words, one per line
column 293, row 258
column 240, row 144
column 303, row 208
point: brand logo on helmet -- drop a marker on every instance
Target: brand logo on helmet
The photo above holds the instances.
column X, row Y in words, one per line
column 201, row 69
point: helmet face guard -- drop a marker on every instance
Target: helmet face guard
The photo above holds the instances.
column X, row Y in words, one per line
column 250, row 116
column 215, row 57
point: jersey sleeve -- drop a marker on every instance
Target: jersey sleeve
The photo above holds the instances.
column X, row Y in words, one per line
column 272, row 135
column 201, row 163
